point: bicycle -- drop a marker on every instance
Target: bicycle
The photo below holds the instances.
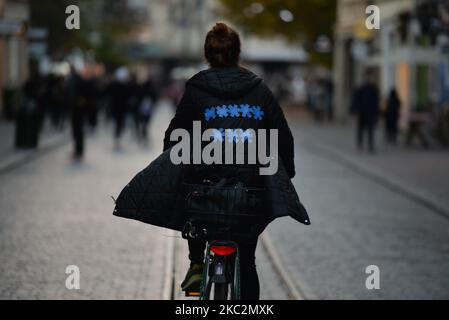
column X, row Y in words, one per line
column 220, row 211
column 221, row 273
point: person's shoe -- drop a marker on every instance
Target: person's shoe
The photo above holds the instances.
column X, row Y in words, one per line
column 192, row 281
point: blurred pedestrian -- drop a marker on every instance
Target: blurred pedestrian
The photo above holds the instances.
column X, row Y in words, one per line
column 54, row 100
column 78, row 102
column 143, row 118
column 93, row 92
column 365, row 105
column 27, row 115
column 329, row 90
column 40, row 96
column 148, row 98
column 173, row 92
column 392, row 117
column 319, row 100
column 118, row 92
column 134, row 100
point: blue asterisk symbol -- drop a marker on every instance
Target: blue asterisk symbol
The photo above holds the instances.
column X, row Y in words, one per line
column 234, row 111
column 210, row 114
column 245, row 110
column 222, row 112
column 258, row 113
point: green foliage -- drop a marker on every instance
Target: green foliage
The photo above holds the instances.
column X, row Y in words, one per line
column 51, row 15
column 312, row 18
column 106, row 19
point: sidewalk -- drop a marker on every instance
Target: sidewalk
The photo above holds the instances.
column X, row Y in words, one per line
column 418, row 173
column 60, row 214
column 10, row 156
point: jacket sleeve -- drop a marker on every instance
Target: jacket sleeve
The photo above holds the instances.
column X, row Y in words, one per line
column 276, row 120
column 183, row 118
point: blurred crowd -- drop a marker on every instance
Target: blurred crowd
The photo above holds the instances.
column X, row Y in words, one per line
column 83, row 99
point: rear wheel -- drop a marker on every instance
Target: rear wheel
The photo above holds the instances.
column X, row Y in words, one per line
column 221, row 291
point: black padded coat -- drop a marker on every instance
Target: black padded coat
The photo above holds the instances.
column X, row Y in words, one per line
column 224, row 98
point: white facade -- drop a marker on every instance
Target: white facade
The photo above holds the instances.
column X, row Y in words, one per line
column 396, row 61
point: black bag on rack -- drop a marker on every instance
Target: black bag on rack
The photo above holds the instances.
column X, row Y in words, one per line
column 226, row 208
column 160, row 195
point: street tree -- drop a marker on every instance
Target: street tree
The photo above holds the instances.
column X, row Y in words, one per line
column 306, row 22
column 104, row 25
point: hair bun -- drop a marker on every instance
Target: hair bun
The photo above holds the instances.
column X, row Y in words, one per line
column 220, row 29
column 222, row 46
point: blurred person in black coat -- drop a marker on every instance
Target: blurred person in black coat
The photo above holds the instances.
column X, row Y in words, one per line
column 77, row 95
column 392, row 117
column 119, row 93
column 365, row 105
column 148, row 97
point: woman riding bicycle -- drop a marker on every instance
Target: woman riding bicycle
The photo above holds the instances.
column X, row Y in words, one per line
column 236, row 105
column 228, row 96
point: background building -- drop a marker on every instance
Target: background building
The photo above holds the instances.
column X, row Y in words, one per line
column 14, row 16
column 176, row 29
column 408, row 52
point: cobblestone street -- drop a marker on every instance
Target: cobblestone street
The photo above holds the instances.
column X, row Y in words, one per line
column 55, row 213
